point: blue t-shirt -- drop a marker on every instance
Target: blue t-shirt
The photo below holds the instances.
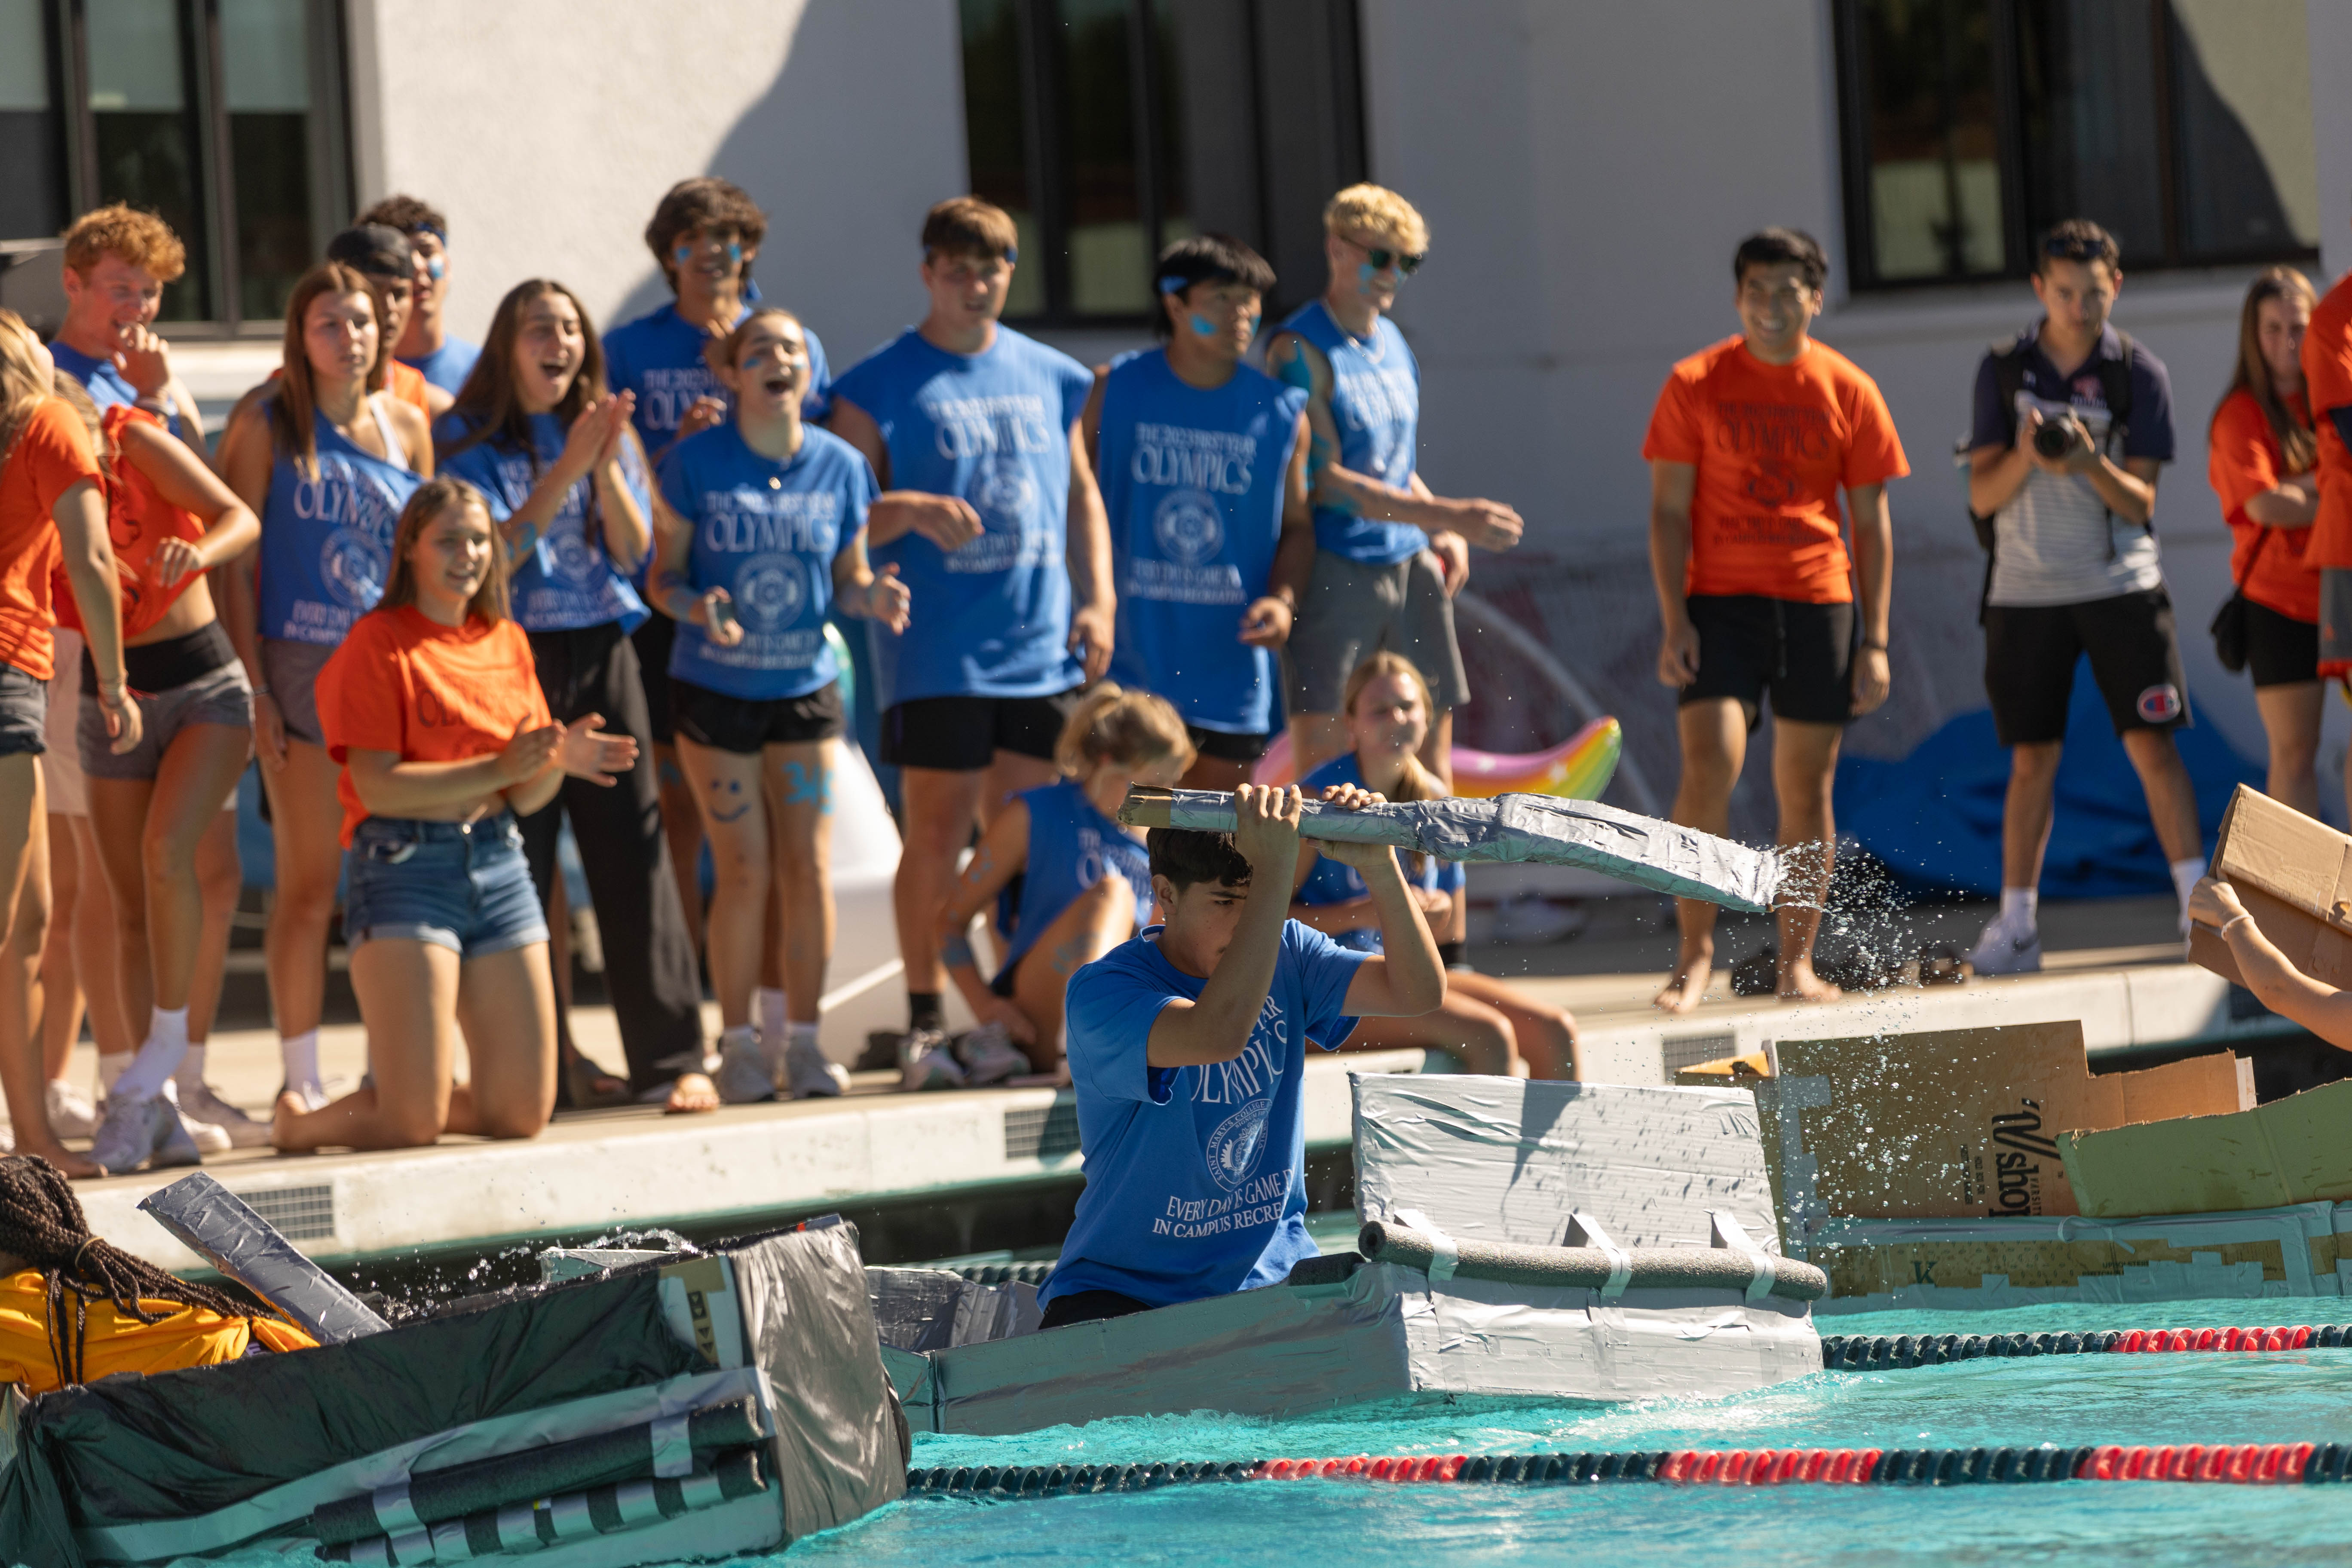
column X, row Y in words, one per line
column 326, row 541
column 1071, row 847
column 658, row 356
column 992, row 618
column 1192, row 480
column 1331, row 883
column 108, row 387
column 448, row 366
column 1195, row 1176
column 568, row 579
column 767, row 531
column 1376, row 403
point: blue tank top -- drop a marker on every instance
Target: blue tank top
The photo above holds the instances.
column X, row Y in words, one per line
column 1376, row 403
column 1071, row 847
column 1332, row 883
column 658, row 356
column 326, row 543
column 767, row 531
column 1192, row 480
column 991, row 619
column 567, row 579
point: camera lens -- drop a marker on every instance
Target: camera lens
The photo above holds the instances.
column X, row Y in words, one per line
column 2054, row 439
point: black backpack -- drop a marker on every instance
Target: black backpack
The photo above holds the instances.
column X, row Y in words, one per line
column 2008, row 375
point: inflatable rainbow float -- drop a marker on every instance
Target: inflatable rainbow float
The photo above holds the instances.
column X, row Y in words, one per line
column 1579, row 768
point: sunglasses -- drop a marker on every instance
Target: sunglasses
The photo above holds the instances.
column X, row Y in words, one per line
column 1407, row 263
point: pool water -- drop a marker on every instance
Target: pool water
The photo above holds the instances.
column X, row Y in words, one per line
column 2281, row 1396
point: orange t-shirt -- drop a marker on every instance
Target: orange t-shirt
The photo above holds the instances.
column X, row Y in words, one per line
column 428, row 693
column 2327, row 382
column 2244, row 460
column 1773, row 444
column 189, row 1336
column 52, row 453
column 407, row 383
column 137, row 519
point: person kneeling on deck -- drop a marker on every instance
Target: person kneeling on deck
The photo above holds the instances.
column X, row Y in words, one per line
column 1186, row 1045
column 74, row 1309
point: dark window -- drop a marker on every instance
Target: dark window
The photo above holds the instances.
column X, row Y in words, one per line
column 1108, row 128
column 2183, row 127
column 223, row 117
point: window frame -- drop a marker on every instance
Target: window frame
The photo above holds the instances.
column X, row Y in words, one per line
column 1847, row 25
column 204, row 65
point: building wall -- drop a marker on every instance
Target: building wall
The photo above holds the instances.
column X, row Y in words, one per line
column 547, row 130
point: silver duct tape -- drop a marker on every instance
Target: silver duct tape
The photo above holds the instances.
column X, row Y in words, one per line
column 570, row 1515
column 413, row 1546
column 449, row 1542
column 1661, row 856
column 1594, row 1268
column 519, row 1528
column 395, row 1514
column 636, row 1503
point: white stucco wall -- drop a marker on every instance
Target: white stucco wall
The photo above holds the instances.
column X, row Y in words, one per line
column 548, row 129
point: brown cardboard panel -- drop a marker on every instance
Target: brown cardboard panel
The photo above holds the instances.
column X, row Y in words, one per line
column 1956, row 1123
column 2294, row 874
column 2035, row 1264
column 2291, row 1151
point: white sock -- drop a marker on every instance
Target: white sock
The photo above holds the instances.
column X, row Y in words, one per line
column 159, row 1058
column 300, row 1053
column 2019, row 906
column 111, row 1068
column 741, row 1033
column 769, row 1011
column 800, row 1035
column 2185, row 876
column 191, row 1068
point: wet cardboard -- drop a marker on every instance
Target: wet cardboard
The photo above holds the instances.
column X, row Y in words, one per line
column 1955, row 1123
column 2294, row 876
column 2292, row 1150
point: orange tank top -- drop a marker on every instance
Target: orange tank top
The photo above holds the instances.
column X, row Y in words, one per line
column 138, row 520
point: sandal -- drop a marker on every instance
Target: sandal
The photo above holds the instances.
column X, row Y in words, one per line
column 585, row 1086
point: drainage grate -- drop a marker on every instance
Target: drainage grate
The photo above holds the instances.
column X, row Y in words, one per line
column 300, row 1214
column 1690, row 1050
column 1042, row 1132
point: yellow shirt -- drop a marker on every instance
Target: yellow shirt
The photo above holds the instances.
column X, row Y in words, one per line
column 191, row 1336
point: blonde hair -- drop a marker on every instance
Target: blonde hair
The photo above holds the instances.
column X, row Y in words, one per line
column 441, row 493
column 139, row 238
column 1376, row 209
column 21, row 388
column 1113, row 724
column 1416, row 783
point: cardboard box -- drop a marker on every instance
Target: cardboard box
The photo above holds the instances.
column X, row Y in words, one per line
column 2294, row 876
column 2292, row 1150
column 1958, row 1122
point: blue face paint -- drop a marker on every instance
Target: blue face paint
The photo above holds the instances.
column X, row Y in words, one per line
column 1201, row 325
column 436, row 268
column 1367, row 272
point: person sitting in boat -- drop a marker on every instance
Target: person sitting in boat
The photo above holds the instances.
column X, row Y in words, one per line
column 1187, row 1044
column 1485, row 1025
column 1086, row 885
column 74, row 1309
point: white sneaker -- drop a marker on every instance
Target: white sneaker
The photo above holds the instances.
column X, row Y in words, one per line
column 808, row 1075
column 202, row 1103
column 70, row 1115
column 743, row 1077
column 926, row 1062
column 138, row 1132
column 990, row 1056
column 2003, row 951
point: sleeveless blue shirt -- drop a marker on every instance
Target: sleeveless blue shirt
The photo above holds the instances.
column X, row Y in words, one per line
column 1192, row 480
column 767, row 531
column 1376, row 403
column 567, row 579
column 326, row 543
column 1071, row 847
column 992, row 618
column 1331, row 883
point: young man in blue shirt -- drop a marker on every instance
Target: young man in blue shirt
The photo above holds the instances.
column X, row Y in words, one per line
column 118, row 261
column 1186, row 1045
column 427, row 344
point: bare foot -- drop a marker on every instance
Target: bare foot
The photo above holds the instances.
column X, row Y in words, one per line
column 290, row 1106
column 1799, row 983
column 78, row 1167
column 1687, row 987
column 692, row 1094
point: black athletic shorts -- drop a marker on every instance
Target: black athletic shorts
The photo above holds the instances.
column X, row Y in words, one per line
column 743, row 725
column 963, row 734
column 1089, row 1306
column 654, row 637
column 2029, row 654
column 1802, row 653
column 2279, row 649
column 1246, row 750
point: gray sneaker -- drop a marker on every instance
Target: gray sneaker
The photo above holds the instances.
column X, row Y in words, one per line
column 70, row 1115
column 140, row 1131
column 926, row 1062
column 990, row 1056
column 2003, row 950
column 201, row 1102
column 809, row 1075
column 743, row 1077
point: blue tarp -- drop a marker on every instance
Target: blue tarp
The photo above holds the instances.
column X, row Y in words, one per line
column 1934, row 816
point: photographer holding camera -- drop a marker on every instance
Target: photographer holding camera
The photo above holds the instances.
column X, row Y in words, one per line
column 2071, row 422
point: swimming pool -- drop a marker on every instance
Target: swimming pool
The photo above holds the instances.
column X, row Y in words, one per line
column 2279, row 1396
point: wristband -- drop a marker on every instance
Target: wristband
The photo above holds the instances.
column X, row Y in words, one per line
column 1879, row 647
column 262, row 690
column 2230, row 924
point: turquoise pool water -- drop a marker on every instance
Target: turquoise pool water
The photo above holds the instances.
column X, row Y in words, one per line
column 2285, row 1397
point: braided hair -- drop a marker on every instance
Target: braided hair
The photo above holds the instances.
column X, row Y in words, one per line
column 42, row 1223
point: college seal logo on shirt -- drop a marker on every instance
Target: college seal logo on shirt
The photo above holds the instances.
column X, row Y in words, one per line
column 767, row 591
column 1188, row 527
column 1233, row 1148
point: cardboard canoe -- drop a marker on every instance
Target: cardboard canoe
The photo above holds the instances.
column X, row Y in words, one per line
column 2294, row 876
column 2292, row 1150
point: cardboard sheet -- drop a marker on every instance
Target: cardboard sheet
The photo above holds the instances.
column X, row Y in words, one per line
column 2294, row 876
column 1955, row 1123
column 2292, row 1150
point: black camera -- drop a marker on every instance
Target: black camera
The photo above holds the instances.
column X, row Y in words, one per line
column 2056, row 435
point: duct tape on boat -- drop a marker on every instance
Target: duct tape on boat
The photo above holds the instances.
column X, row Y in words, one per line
column 1445, row 1256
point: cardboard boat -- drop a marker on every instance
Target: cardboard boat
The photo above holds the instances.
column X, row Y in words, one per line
column 1525, row 1239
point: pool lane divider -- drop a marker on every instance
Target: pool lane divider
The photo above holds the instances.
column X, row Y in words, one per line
column 2241, row 1464
column 1865, row 1352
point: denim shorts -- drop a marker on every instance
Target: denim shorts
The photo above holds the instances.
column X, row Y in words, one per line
column 462, row 886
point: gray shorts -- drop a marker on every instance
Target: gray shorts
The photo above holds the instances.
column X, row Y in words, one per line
column 220, row 696
column 24, row 713
column 1352, row 611
column 291, row 669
